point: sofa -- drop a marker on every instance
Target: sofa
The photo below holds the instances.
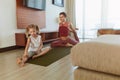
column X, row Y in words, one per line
column 98, row 59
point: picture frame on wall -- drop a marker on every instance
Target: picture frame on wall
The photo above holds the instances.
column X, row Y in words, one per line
column 58, row 3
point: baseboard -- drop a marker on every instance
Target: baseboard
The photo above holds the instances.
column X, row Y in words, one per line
column 9, row 48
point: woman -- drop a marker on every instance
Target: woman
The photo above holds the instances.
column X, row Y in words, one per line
column 64, row 29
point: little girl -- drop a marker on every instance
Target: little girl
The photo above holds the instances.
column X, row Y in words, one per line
column 34, row 45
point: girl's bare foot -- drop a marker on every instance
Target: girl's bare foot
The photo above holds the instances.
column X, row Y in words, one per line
column 19, row 60
column 22, row 64
column 34, row 56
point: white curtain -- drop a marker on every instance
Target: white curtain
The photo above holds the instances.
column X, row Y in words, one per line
column 70, row 10
column 88, row 17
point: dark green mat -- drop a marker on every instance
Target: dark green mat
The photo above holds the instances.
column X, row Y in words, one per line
column 52, row 56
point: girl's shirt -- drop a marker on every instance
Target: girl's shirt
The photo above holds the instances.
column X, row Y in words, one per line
column 35, row 43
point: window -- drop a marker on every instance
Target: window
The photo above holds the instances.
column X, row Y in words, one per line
column 88, row 18
column 113, row 19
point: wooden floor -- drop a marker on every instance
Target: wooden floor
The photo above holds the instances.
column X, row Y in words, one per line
column 9, row 70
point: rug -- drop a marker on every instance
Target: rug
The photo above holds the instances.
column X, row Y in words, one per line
column 50, row 57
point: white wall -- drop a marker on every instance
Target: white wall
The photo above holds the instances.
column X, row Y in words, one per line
column 52, row 13
column 8, row 21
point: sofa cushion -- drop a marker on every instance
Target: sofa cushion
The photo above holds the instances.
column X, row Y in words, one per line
column 83, row 74
column 97, row 56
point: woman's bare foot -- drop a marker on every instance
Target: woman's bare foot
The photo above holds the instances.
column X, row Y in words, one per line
column 19, row 60
column 68, row 44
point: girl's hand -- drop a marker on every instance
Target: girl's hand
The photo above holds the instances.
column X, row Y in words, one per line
column 25, row 54
column 38, row 51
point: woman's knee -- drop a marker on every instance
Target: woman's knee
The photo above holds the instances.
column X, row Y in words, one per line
column 72, row 41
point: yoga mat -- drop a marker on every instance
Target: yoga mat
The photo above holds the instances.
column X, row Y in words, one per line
column 50, row 57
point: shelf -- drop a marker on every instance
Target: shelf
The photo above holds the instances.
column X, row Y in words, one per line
column 20, row 39
column 46, row 37
column 108, row 31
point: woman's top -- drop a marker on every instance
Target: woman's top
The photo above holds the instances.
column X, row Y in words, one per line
column 35, row 43
column 63, row 30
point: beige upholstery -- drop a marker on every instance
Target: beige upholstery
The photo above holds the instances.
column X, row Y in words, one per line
column 98, row 56
column 83, row 74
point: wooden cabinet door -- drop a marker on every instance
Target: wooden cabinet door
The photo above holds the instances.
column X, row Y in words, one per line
column 20, row 39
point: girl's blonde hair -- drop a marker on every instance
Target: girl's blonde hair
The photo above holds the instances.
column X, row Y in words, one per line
column 31, row 26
